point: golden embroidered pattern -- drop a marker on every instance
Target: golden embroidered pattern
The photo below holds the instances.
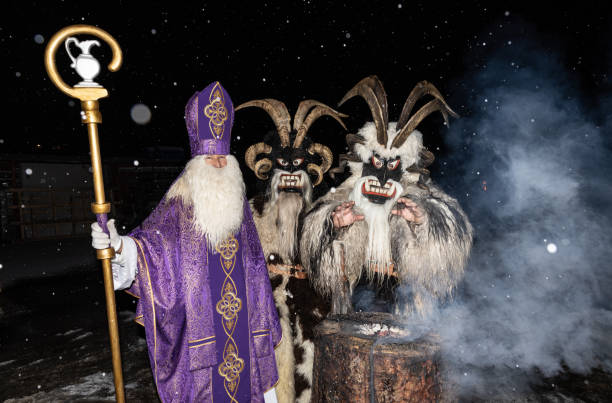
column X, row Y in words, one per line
column 229, row 307
column 216, row 112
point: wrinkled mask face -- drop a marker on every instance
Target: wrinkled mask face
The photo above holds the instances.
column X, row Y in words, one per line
column 290, row 164
column 382, row 176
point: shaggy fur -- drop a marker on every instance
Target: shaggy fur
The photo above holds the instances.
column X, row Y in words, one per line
column 277, row 218
column 408, row 152
column 430, row 257
column 285, row 360
column 216, row 194
column 277, row 222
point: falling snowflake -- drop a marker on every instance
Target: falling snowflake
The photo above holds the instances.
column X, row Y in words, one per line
column 38, row 38
column 28, row 171
column 136, row 163
column 551, row 248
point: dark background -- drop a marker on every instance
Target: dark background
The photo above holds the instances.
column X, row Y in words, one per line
column 286, row 50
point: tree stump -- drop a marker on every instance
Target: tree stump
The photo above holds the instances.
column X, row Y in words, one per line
column 370, row 357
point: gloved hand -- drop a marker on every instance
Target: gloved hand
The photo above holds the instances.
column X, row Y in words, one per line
column 124, row 264
column 102, row 240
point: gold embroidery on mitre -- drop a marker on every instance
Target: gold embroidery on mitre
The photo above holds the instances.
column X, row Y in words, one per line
column 216, row 112
column 229, row 307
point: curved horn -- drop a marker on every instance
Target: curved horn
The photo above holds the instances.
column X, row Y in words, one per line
column 325, row 154
column 371, row 89
column 252, row 152
column 302, row 110
column 417, row 118
column 352, row 138
column 315, row 169
column 407, row 124
column 279, row 114
column 316, row 113
column 262, row 167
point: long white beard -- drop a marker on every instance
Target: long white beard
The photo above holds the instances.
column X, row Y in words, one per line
column 378, row 253
column 217, row 196
column 288, row 207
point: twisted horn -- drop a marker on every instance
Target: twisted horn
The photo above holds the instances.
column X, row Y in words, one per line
column 302, row 110
column 325, row 154
column 417, row 118
column 302, row 127
column 353, row 139
column 315, row 169
column 251, row 154
column 310, row 119
column 279, row 114
column 407, row 124
column 371, row 89
column 262, row 167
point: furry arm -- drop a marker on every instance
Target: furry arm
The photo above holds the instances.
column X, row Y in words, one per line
column 317, row 251
column 432, row 256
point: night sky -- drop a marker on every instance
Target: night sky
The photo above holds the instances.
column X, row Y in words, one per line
column 286, row 51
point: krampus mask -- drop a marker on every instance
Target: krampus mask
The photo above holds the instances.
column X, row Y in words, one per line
column 291, row 153
column 386, row 150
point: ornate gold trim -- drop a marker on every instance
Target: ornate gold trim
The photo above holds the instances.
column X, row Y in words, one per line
column 152, row 306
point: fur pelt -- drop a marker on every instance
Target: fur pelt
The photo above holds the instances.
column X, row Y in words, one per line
column 277, row 217
column 430, row 257
column 216, row 194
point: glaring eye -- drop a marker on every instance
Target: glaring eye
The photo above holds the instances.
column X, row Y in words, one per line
column 298, row 162
column 376, row 162
column 282, row 161
column 391, row 165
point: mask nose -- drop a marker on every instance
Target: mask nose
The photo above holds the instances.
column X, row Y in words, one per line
column 382, row 176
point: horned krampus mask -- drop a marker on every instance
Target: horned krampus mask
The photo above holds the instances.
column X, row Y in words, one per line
column 290, row 153
column 383, row 150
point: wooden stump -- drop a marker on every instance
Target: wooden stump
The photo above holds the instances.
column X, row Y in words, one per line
column 369, row 357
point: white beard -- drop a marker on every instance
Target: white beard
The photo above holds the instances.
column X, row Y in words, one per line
column 217, row 197
column 288, row 207
column 377, row 216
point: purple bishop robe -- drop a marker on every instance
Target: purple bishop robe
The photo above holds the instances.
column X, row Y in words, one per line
column 182, row 315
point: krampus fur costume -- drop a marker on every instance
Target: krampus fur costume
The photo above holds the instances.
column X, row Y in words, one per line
column 290, row 156
column 402, row 223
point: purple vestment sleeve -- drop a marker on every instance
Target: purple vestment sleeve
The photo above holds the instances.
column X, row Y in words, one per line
column 175, row 307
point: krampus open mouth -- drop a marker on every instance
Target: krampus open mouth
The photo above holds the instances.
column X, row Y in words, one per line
column 290, row 183
column 376, row 193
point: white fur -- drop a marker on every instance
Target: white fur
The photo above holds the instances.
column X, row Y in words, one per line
column 305, row 368
column 277, row 224
column 285, row 360
column 377, row 216
column 216, row 194
column 408, row 152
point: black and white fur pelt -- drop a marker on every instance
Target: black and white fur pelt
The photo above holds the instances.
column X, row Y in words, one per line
column 288, row 176
column 428, row 258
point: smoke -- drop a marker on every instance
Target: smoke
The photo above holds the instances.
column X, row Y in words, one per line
column 531, row 166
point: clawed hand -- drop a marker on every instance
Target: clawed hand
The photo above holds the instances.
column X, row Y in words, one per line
column 343, row 215
column 409, row 210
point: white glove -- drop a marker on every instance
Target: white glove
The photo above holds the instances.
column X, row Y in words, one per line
column 124, row 264
column 270, row 396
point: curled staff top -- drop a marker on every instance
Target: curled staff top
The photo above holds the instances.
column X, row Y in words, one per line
column 84, row 94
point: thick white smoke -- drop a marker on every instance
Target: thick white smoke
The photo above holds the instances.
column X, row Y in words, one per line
column 531, row 166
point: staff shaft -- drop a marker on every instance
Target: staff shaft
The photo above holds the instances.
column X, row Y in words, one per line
column 92, row 116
